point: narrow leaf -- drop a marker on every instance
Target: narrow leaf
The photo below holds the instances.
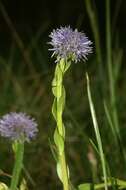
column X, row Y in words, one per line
column 54, row 109
column 59, row 141
column 85, row 186
column 59, row 171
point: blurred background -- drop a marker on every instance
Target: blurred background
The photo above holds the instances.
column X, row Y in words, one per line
column 26, row 72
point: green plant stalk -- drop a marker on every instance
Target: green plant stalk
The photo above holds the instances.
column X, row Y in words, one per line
column 62, row 159
column 97, row 133
column 92, row 13
column 95, row 29
column 57, row 110
column 18, row 165
column 110, row 70
column 64, row 172
column 112, row 81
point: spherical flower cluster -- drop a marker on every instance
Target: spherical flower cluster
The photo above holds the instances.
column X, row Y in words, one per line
column 68, row 43
column 18, row 126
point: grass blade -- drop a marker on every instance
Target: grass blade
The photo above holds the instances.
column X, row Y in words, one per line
column 97, row 133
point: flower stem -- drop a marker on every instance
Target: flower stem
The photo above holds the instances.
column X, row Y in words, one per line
column 18, row 165
column 64, row 172
column 57, row 110
column 62, row 159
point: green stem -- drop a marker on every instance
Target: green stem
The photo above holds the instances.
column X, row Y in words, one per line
column 92, row 13
column 112, row 86
column 110, row 70
column 94, row 25
column 97, row 132
column 60, row 126
column 64, row 171
column 18, row 165
column 57, row 110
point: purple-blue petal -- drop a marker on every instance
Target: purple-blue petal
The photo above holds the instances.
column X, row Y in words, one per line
column 17, row 125
column 67, row 42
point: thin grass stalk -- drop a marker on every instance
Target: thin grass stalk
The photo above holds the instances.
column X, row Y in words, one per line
column 97, row 133
column 94, row 25
column 112, row 81
column 92, row 13
column 110, row 70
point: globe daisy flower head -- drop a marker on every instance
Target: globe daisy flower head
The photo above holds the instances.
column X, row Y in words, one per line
column 70, row 44
column 18, row 126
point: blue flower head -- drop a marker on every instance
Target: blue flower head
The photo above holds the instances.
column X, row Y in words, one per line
column 18, row 126
column 70, row 44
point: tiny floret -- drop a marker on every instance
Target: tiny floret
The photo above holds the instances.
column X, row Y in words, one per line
column 70, row 44
column 18, row 126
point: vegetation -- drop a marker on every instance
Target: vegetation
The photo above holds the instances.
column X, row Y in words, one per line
column 95, row 135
